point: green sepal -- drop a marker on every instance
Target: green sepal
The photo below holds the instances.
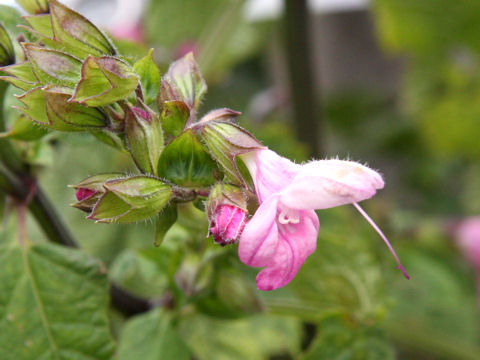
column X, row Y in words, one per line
column 21, row 76
column 174, row 117
column 224, row 142
column 183, row 82
column 225, row 194
column 132, row 199
column 71, row 28
column 7, row 54
column 149, row 77
column 50, row 107
column 34, row 6
column 53, row 66
column 164, row 221
column 221, row 115
column 185, row 162
column 40, row 25
column 144, row 135
column 104, row 80
column 95, row 182
column 25, row 129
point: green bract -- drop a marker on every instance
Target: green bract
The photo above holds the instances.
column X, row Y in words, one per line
column 149, row 75
column 183, row 82
column 185, row 162
column 104, row 80
column 144, row 135
column 7, row 55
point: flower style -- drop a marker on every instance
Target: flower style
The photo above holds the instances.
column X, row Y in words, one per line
column 283, row 232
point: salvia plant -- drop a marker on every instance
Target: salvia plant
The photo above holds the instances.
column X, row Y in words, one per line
column 192, row 168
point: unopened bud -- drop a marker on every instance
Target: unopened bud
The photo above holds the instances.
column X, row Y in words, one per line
column 91, row 189
column 227, row 224
column 226, row 209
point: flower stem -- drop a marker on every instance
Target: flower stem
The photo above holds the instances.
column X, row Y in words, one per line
column 384, row 238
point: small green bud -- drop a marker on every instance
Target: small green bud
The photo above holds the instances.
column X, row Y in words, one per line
column 185, row 162
column 24, row 129
column 224, row 142
column 20, row 76
column 7, row 54
column 91, row 189
column 104, row 80
column 34, row 6
column 132, row 199
column 175, row 115
column 77, row 32
column 183, row 82
column 144, row 135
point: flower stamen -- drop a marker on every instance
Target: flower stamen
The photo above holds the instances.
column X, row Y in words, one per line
column 384, row 238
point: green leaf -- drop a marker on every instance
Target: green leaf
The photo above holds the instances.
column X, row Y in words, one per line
column 253, row 338
column 144, row 135
column 185, row 162
column 183, row 82
column 142, row 272
column 71, row 28
column 174, row 117
column 53, row 304
column 164, row 222
column 53, row 66
column 152, row 336
column 104, row 80
column 343, row 339
column 149, row 77
column 7, row 55
column 109, row 138
column 232, row 297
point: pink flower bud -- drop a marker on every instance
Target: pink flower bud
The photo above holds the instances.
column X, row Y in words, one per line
column 227, row 224
column 84, row 193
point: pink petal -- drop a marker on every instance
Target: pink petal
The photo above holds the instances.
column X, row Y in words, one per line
column 260, row 236
column 270, row 172
column 327, row 183
column 296, row 243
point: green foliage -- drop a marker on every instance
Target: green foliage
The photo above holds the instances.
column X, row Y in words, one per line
column 7, row 55
column 53, row 304
column 343, row 339
column 174, row 117
column 152, row 336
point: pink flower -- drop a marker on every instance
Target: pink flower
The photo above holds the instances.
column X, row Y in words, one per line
column 283, row 232
column 227, row 224
column 468, row 237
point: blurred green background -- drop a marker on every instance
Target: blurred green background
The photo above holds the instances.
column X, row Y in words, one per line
column 393, row 83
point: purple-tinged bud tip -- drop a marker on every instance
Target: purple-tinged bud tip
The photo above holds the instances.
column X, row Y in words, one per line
column 84, row 193
column 227, row 224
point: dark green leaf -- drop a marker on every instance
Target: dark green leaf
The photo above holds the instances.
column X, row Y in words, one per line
column 53, row 304
column 152, row 336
